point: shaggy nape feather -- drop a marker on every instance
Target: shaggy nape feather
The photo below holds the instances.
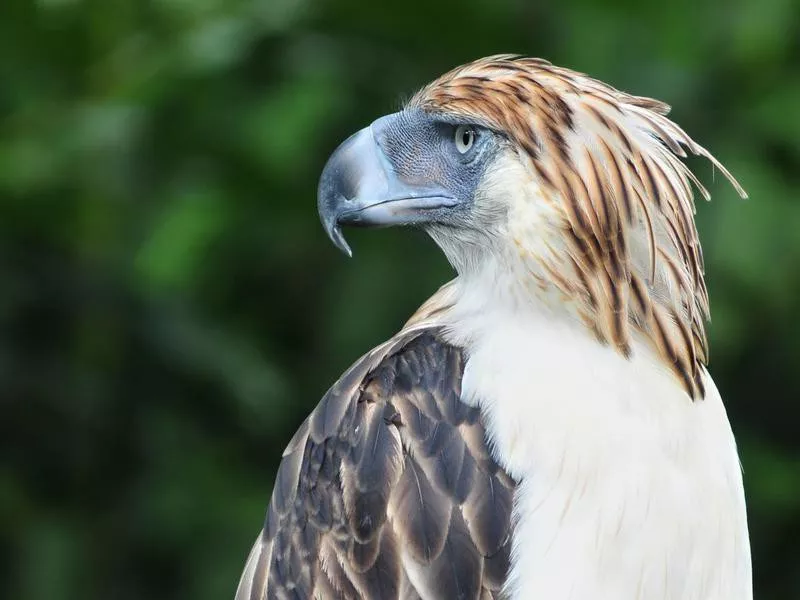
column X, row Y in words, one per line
column 626, row 250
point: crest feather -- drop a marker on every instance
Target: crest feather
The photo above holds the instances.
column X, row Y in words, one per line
column 634, row 261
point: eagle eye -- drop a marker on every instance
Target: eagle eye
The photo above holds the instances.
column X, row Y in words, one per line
column 464, row 138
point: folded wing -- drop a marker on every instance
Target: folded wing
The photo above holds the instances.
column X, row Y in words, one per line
column 387, row 490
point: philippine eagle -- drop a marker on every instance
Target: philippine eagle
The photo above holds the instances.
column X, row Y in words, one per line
column 544, row 427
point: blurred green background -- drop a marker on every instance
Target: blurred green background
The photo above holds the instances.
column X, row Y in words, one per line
column 170, row 308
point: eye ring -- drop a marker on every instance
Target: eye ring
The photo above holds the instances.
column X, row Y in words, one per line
column 464, row 138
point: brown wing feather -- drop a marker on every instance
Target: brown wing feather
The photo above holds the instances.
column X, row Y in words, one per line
column 388, row 490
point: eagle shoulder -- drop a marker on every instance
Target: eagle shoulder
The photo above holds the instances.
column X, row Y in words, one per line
column 388, row 489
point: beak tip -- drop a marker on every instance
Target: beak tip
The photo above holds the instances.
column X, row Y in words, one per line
column 335, row 234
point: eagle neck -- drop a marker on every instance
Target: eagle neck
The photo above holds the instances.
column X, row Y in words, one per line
column 620, row 474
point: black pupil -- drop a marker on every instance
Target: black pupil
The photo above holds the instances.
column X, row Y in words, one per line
column 466, row 137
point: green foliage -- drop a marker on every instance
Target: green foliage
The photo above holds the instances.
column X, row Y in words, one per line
column 170, row 308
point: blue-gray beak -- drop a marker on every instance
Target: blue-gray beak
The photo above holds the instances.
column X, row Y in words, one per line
column 359, row 186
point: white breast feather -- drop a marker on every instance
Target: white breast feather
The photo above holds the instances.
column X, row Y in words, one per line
column 629, row 490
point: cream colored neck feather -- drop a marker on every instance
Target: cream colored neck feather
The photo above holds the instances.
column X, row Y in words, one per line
column 527, row 250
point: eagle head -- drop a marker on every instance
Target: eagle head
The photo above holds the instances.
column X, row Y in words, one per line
column 563, row 191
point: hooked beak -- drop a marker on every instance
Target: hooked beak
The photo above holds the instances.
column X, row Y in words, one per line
column 360, row 187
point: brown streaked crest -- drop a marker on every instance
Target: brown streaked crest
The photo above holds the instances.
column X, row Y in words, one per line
column 610, row 163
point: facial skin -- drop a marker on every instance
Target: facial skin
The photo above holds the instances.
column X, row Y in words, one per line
column 407, row 168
